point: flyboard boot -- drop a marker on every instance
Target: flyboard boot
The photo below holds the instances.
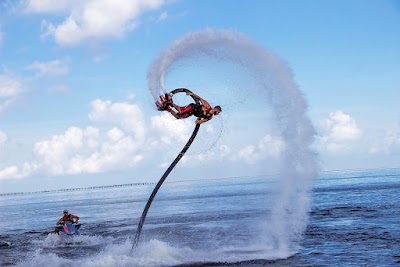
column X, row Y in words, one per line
column 164, row 103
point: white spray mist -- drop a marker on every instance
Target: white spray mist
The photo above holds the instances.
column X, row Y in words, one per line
column 299, row 166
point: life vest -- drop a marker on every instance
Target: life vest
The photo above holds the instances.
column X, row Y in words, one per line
column 198, row 111
column 67, row 218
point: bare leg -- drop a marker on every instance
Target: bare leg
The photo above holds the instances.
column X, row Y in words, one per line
column 178, row 115
column 175, row 114
column 178, row 108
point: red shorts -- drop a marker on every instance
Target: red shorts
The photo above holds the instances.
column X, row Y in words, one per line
column 186, row 109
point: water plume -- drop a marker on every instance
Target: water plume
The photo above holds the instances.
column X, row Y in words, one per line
column 298, row 167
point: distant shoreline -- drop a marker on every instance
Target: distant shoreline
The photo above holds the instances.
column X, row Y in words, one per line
column 349, row 170
column 123, row 185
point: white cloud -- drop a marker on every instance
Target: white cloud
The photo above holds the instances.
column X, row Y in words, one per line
column 87, row 151
column 13, row 172
column 90, row 149
column 54, row 154
column 10, row 88
column 91, row 19
column 1, row 37
column 49, row 68
column 128, row 116
column 222, row 152
column 170, row 129
column 268, row 146
column 9, row 172
column 338, row 131
column 177, row 132
column 170, row 132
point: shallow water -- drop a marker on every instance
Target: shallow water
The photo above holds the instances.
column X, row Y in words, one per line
column 354, row 221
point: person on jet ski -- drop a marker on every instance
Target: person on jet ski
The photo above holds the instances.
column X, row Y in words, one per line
column 203, row 111
column 68, row 218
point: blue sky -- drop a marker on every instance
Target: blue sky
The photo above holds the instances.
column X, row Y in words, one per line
column 75, row 109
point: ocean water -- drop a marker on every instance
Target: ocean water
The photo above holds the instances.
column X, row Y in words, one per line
column 354, row 221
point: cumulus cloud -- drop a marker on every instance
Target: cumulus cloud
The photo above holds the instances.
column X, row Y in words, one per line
column 127, row 116
column 170, row 129
column 87, row 151
column 49, row 68
column 91, row 19
column 268, row 146
column 338, row 131
column 10, row 88
column 177, row 132
column 13, row 172
column 113, row 146
column 222, row 152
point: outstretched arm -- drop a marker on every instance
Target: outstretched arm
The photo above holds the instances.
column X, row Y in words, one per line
column 203, row 101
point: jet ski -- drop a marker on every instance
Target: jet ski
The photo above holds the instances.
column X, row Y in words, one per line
column 68, row 228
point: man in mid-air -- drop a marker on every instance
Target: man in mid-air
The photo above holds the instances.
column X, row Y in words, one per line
column 203, row 111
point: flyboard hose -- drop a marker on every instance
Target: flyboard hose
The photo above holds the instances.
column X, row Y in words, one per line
column 167, row 172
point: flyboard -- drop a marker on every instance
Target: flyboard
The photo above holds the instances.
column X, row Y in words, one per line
column 167, row 172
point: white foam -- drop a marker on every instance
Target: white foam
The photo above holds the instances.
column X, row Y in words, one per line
column 151, row 253
column 54, row 240
column 45, row 259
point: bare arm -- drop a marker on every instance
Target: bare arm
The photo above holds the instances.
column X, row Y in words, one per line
column 203, row 101
column 74, row 217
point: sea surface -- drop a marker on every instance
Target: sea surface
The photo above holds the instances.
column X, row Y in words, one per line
column 354, row 221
